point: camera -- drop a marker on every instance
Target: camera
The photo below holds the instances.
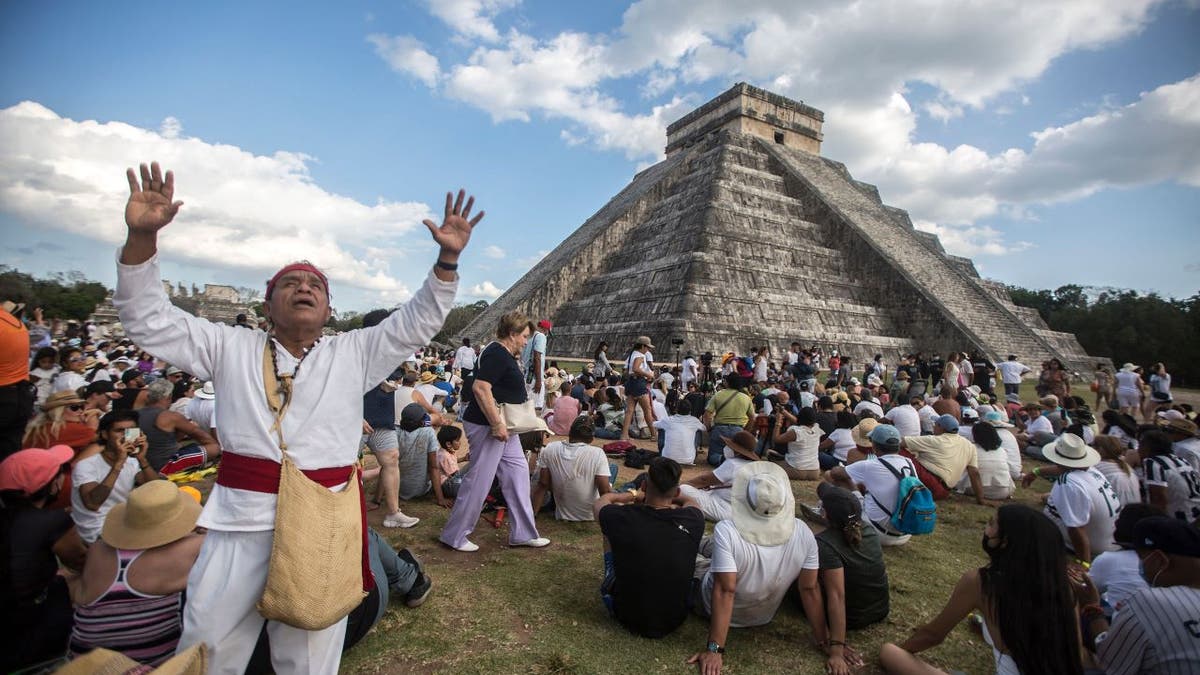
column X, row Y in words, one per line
column 677, row 341
column 706, row 359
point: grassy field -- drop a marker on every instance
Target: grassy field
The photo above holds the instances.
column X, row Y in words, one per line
column 538, row 611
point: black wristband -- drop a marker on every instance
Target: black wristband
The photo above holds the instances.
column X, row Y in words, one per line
column 449, row 267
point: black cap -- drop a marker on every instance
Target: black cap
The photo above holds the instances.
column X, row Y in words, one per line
column 1169, row 535
column 413, row 417
column 100, row 387
column 839, row 505
column 130, row 375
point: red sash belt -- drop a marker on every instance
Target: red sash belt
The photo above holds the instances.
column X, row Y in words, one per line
column 256, row 474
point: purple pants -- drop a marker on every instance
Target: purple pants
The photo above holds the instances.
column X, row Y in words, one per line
column 492, row 458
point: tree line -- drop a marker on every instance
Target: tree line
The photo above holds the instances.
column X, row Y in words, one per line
column 1125, row 325
column 69, row 295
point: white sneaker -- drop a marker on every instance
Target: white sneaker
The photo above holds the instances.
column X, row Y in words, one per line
column 535, row 543
column 467, row 546
column 398, row 519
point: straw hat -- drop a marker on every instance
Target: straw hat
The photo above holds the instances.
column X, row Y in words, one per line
column 207, row 392
column 861, row 433
column 1049, row 402
column 764, row 509
column 1070, row 451
column 1128, row 368
column 157, row 513
column 100, row 661
column 427, row 377
column 61, row 399
column 743, row 443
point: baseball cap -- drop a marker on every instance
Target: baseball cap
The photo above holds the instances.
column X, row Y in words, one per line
column 30, row 470
column 130, row 375
column 886, row 435
column 970, row 414
column 545, row 323
column 413, row 416
column 101, row 387
column 1169, row 535
column 838, row 504
column 947, row 423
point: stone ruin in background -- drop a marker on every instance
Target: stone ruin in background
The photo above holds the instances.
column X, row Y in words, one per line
column 745, row 236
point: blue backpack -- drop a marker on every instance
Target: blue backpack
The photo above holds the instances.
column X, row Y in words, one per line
column 915, row 512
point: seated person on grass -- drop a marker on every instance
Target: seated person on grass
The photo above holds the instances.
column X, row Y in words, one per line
column 942, row 458
column 449, row 441
column 566, row 409
column 753, row 558
column 611, row 409
column 575, row 472
column 802, row 438
column 853, row 575
column 419, row 470
column 650, row 544
column 711, row 489
column 871, row 478
column 680, row 434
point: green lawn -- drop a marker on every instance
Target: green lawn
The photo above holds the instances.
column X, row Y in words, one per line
column 520, row 610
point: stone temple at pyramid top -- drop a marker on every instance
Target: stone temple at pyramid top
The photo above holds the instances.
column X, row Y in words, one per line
column 746, row 109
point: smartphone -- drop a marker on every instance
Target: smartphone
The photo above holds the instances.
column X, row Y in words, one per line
column 132, row 434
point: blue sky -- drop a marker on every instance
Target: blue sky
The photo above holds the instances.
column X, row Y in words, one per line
column 1053, row 143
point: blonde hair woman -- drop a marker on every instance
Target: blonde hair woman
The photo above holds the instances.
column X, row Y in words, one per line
column 61, row 421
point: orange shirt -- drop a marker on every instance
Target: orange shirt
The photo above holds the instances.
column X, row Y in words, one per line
column 14, row 350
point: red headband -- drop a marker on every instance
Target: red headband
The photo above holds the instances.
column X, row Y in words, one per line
column 298, row 267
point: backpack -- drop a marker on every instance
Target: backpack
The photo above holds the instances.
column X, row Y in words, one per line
column 745, row 367
column 915, row 512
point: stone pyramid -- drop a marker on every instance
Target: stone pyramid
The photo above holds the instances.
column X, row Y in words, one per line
column 745, row 236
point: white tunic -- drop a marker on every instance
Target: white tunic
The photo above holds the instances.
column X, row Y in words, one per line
column 323, row 426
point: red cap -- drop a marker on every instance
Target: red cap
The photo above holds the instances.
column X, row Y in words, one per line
column 545, row 323
column 301, row 266
column 30, row 470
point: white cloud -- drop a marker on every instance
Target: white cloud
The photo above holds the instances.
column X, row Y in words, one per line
column 973, row 240
column 471, row 18
column 494, row 252
column 528, row 262
column 486, row 290
column 241, row 211
column 406, row 55
column 171, row 127
column 856, row 61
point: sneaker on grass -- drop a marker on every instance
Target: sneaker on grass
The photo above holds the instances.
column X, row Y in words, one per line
column 398, row 519
column 419, row 592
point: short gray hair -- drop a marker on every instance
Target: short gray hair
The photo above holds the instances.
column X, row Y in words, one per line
column 160, row 390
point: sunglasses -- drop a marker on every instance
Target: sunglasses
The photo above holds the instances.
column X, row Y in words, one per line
column 76, row 359
column 75, row 407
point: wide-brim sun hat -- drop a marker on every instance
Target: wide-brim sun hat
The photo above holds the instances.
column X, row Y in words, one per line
column 207, row 392
column 1128, row 368
column 156, row 513
column 764, row 509
column 861, row 433
column 1071, row 451
column 743, row 444
column 61, row 399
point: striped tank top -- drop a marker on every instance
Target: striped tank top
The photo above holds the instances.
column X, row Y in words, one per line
column 143, row 627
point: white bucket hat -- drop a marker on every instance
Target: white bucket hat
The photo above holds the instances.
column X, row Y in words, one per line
column 207, row 392
column 1069, row 450
column 764, row 509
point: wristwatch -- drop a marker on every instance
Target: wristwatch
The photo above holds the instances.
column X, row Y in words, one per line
column 715, row 648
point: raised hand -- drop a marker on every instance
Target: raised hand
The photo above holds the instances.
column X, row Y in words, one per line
column 455, row 231
column 150, row 208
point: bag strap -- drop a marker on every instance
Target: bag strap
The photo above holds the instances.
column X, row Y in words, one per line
column 899, row 478
column 279, row 393
column 721, row 407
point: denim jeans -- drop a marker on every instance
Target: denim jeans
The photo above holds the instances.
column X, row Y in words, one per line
column 716, row 444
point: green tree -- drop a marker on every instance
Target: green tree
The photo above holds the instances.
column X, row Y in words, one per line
column 61, row 296
column 457, row 320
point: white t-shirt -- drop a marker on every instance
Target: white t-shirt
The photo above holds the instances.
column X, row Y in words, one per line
column 1116, row 576
column 927, row 415
column 688, row 373
column 93, row 470
column 1084, row 498
column 1189, row 450
column 843, row 443
column 880, row 483
column 872, row 406
column 1041, row 425
column 906, row 420
column 764, row 573
column 203, row 412
column 45, row 384
column 464, row 358
column 993, row 471
column 760, row 369
column 1127, row 382
column 573, row 469
column 802, row 452
column 807, row 399
column 1008, row 443
column 68, row 380
column 1010, row 371
column 1180, row 480
column 680, row 439
column 1126, row 485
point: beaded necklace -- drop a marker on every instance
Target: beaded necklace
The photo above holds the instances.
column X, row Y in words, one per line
column 285, row 381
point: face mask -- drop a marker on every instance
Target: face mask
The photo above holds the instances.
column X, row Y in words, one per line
column 987, row 547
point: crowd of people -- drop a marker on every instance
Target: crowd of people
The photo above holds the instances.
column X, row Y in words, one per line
column 103, row 550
